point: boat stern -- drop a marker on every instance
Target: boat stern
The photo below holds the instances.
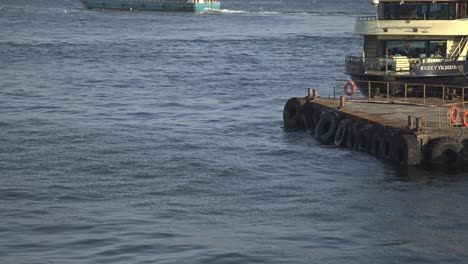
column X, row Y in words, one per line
column 203, row 7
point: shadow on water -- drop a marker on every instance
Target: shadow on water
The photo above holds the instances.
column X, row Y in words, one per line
column 431, row 175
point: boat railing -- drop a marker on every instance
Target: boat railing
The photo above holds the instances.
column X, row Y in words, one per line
column 366, row 18
column 436, row 99
column 396, row 63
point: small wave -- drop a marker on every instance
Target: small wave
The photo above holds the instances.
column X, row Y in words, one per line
column 231, row 11
column 5, row 124
column 290, row 12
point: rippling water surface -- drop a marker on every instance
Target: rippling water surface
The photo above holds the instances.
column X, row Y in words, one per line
column 149, row 137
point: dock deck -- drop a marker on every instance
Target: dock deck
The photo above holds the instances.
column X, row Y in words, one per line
column 434, row 113
column 410, row 131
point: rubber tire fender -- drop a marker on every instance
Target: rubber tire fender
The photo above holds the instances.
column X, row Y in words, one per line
column 341, row 133
column 326, row 127
column 364, row 137
column 406, row 149
column 386, row 150
column 352, row 136
column 317, row 114
column 376, row 140
column 308, row 111
column 443, row 151
column 292, row 113
column 464, row 153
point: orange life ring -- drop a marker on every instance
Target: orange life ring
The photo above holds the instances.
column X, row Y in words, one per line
column 465, row 118
column 454, row 112
column 353, row 88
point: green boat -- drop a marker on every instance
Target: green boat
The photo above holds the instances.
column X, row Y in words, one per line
column 197, row 6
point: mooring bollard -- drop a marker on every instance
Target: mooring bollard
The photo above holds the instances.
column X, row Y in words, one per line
column 315, row 93
column 310, row 93
column 419, row 123
column 342, row 101
column 410, row 122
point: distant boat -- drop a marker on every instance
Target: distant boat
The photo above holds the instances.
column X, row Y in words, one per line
column 197, row 6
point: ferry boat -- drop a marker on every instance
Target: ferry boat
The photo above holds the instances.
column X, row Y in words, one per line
column 411, row 42
column 197, row 6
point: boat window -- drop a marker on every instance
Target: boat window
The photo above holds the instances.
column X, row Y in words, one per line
column 411, row 49
column 437, row 48
column 406, row 11
column 464, row 10
column 440, row 11
column 419, row 10
column 415, row 48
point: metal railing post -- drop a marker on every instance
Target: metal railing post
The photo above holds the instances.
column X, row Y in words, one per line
column 406, row 91
column 388, row 91
column 443, row 94
column 439, row 118
column 424, row 95
column 334, row 90
column 369, row 90
column 463, row 93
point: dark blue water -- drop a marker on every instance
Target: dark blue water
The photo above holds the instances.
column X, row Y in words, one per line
column 147, row 137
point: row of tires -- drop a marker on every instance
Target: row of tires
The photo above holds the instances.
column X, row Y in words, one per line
column 333, row 127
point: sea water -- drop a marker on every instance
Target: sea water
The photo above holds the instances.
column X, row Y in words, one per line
column 154, row 137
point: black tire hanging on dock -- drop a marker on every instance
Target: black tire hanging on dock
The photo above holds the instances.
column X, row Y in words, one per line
column 443, row 151
column 341, row 133
column 386, row 150
column 326, row 127
column 406, row 149
column 352, row 136
column 364, row 137
column 292, row 114
column 308, row 111
column 317, row 114
column 376, row 141
column 464, row 153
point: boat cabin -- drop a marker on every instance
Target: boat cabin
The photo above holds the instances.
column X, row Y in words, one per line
column 407, row 34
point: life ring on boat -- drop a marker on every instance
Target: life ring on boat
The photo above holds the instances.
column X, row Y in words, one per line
column 292, row 113
column 465, row 118
column 353, row 88
column 454, row 112
column 443, row 151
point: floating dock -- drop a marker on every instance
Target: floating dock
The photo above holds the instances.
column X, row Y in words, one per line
column 405, row 130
